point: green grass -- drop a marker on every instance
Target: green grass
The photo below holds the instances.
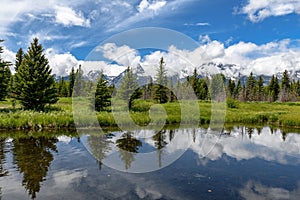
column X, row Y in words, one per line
column 144, row 113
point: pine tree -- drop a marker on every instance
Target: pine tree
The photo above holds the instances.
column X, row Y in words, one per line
column 102, row 95
column 34, row 84
column 19, row 58
column 5, row 75
column 129, row 88
column 71, row 81
column 160, row 90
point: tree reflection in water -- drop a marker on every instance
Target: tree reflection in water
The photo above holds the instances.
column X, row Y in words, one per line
column 33, row 157
column 3, row 172
column 99, row 146
column 128, row 145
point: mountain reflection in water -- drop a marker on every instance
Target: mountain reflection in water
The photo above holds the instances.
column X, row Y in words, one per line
column 241, row 163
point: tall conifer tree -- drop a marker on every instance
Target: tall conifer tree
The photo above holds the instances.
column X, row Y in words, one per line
column 34, row 84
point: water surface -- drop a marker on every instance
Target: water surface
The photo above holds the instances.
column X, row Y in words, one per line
column 243, row 163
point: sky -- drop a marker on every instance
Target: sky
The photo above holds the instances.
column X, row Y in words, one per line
column 262, row 36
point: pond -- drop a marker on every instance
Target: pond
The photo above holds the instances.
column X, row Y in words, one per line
column 241, row 163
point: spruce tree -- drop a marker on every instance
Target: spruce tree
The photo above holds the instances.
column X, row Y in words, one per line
column 273, row 89
column 216, row 87
column 102, row 95
column 237, row 89
column 230, row 88
column 203, row 90
column 4, row 76
column 19, row 58
column 71, row 81
column 285, row 87
column 34, row 84
column 251, row 88
column 260, row 88
column 160, row 90
column 62, row 88
column 78, row 83
column 129, row 88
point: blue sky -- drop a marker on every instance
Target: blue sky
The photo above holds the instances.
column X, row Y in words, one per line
column 69, row 30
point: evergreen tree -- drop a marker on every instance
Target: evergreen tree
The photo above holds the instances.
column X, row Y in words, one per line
column 5, row 75
column 285, row 87
column 160, row 90
column 102, row 95
column 129, row 88
column 230, row 88
column 62, row 88
column 194, row 82
column 273, row 89
column 88, row 88
column 237, row 89
column 19, row 58
column 251, row 88
column 285, row 82
column 170, row 89
column 78, row 83
column 203, row 90
column 260, row 89
column 34, row 84
column 216, row 87
column 72, row 78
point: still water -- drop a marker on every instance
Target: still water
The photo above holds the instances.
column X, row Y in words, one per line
column 241, row 163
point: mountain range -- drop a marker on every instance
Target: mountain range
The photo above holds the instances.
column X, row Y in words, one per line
column 205, row 70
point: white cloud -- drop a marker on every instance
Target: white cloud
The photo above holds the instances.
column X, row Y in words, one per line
column 61, row 64
column 68, row 17
column 108, row 69
column 255, row 190
column 197, row 24
column 264, row 59
column 154, row 6
column 9, row 56
column 258, row 10
column 123, row 55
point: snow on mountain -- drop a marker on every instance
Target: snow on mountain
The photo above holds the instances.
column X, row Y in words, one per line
column 145, row 73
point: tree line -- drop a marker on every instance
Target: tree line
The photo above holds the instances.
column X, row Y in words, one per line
column 34, row 86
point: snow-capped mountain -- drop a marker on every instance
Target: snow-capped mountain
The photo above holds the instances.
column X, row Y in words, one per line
column 115, row 73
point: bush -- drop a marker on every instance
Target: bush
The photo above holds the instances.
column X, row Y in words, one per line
column 231, row 103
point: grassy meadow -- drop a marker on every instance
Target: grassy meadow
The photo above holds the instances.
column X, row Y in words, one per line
column 60, row 115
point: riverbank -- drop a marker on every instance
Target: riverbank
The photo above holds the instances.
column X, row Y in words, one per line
column 60, row 115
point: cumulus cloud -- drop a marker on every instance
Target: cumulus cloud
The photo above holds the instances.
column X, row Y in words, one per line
column 123, row 55
column 9, row 56
column 258, row 10
column 61, row 64
column 68, row 17
column 264, row 59
column 148, row 5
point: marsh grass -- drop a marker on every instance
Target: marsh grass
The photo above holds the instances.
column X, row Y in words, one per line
column 60, row 115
